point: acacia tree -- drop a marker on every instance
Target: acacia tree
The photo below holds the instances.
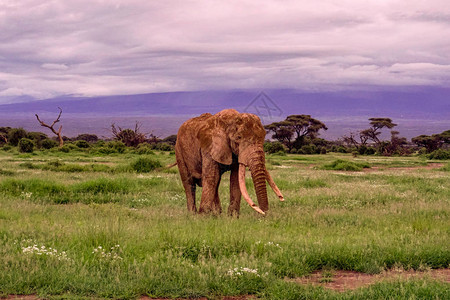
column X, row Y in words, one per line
column 374, row 131
column 298, row 126
column 350, row 139
column 395, row 146
column 433, row 142
column 58, row 133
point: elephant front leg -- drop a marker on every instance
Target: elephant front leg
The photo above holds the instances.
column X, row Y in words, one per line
column 235, row 192
column 210, row 184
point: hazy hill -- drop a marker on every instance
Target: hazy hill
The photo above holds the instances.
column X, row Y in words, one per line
column 417, row 111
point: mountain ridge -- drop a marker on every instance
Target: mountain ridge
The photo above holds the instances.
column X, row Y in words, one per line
column 427, row 108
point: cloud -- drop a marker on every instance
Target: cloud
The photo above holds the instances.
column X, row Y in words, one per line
column 48, row 48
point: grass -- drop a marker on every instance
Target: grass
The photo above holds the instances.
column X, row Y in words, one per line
column 150, row 245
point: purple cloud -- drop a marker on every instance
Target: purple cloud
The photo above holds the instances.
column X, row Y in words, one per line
column 49, row 48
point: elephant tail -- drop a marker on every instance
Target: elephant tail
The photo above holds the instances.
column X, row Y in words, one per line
column 166, row 167
column 170, row 166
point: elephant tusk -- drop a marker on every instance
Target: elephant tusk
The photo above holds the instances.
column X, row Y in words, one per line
column 244, row 191
column 274, row 186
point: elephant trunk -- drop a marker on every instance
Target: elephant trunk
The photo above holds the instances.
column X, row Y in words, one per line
column 244, row 191
column 258, row 171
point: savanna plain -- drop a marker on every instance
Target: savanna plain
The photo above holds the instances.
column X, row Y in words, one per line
column 83, row 225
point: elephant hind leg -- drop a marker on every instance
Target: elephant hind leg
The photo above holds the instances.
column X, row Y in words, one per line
column 210, row 202
column 188, row 184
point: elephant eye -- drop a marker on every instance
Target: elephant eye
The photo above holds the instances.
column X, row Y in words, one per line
column 238, row 138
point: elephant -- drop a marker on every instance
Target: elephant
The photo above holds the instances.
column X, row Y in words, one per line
column 209, row 145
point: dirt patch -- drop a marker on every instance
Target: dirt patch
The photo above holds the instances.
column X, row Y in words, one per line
column 349, row 280
column 204, row 298
column 21, row 297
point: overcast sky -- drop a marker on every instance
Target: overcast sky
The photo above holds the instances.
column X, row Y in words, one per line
column 103, row 47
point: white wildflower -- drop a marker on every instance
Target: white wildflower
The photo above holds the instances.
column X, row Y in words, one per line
column 241, row 271
column 42, row 250
column 112, row 254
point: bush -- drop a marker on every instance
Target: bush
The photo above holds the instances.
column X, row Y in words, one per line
column 92, row 138
column 7, row 148
column 82, row 144
column 308, row 149
column 68, row 147
column 100, row 143
column 439, row 154
column 163, row 147
column 370, row 151
column 65, row 149
column 280, row 153
column 118, row 146
column 48, row 144
column 274, row 147
column 106, row 150
column 15, row 135
column 144, row 149
column 345, row 165
column 145, row 164
column 26, row 145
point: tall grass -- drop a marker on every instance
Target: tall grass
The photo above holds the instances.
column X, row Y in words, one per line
column 129, row 234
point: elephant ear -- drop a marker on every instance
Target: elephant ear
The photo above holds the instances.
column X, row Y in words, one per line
column 214, row 141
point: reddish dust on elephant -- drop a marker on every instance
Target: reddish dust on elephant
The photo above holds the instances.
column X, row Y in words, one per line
column 209, row 145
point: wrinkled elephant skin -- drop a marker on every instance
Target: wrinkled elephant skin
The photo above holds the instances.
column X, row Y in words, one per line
column 209, row 145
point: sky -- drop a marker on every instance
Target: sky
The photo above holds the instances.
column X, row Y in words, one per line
column 50, row 48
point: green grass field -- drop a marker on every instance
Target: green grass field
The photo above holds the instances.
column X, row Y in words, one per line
column 86, row 226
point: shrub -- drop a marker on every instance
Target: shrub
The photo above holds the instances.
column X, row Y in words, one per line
column 163, row 147
column 323, row 150
column 49, row 143
column 439, row 154
column 280, row 153
column 144, row 149
column 65, row 149
column 341, row 149
column 370, row 151
column 26, row 145
column 87, row 137
column 106, row 150
column 100, row 143
column 118, row 146
column 308, row 149
column 345, row 165
column 68, row 147
column 82, row 144
column 145, row 164
column 7, row 148
column 274, row 147
column 422, row 151
column 15, row 135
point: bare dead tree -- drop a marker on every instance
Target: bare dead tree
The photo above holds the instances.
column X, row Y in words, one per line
column 130, row 137
column 58, row 133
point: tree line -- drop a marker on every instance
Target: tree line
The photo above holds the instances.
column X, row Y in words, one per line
column 300, row 134
column 296, row 134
